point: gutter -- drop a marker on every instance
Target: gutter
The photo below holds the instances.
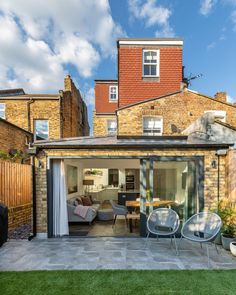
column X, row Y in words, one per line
column 134, row 146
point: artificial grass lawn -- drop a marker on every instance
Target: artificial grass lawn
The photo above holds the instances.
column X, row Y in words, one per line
column 103, row 282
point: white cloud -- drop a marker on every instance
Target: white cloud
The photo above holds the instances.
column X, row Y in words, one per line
column 88, row 96
column 152, row 14
column 39, row 38
column 207, row 6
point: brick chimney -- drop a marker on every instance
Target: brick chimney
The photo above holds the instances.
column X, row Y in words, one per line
column 68, row 83
column 221, row 96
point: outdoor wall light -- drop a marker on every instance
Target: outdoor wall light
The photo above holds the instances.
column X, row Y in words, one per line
column 41, row 164
column 213, row 164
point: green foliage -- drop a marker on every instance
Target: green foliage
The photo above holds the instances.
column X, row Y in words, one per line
column 18, row 155
column 228, row 217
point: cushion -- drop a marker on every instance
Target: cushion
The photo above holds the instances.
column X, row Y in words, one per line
column 86, row 201
column 79, row 201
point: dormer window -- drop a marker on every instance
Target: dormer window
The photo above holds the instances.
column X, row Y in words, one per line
column 153, row 126
column 113, row 93
column 151, row 63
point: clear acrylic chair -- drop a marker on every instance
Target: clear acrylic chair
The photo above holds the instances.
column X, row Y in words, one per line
column 163, row 222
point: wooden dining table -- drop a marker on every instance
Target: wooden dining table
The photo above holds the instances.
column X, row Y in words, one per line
column 136, row 204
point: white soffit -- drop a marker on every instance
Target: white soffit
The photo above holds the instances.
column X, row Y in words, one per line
column 151, row 42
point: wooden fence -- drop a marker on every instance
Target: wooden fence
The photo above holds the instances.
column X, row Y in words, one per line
column 231, row 177
column 15, row 184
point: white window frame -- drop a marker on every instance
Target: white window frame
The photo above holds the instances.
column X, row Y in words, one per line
column 111, row 132
column 112, row 99
column 219, row 115
column 35, row 120
column 157, row 63
column 152, row 131
column 3, row 109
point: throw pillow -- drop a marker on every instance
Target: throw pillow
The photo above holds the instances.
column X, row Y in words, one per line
column 79, row 200
column 86, row 201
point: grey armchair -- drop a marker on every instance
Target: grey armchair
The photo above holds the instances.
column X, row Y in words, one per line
column 118, row 210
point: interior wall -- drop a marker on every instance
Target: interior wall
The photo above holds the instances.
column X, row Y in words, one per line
column 80, row 167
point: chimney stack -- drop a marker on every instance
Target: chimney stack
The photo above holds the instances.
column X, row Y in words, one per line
column 221, row 96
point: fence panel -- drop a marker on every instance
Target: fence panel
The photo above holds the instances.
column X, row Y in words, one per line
column 231, row 176
column 15, row 184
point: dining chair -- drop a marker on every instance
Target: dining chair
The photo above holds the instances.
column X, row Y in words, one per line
column 118, row 210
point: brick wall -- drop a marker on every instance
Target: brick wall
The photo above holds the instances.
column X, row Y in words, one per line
column 20, row 215
column 210, row 177
column 74, row 110
column 48, row 109
column 102, row 104
column 134, row 88
column 100, row 124
column 13, row 137
column 178, row 112
column 66, row 111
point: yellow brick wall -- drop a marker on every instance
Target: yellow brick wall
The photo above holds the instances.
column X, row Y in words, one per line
column 12, row 137
column 17, row 113
column 100, row 124
column 178, row 112
column 210, row 181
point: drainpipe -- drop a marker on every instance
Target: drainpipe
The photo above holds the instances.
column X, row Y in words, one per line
column 28, row 113
column 34, row 200
column 218, row 184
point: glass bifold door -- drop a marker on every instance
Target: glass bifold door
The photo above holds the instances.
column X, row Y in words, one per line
column 177, row 180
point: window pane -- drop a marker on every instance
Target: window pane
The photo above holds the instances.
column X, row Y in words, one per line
column 154, row 56
column 2, row 110
column 153, row 70
column 111, row 126
column 147, row 57
column 146, row 70
column 2, row 114
column 41, row 129
column 152, row 125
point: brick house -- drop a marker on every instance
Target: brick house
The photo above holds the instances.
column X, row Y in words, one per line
column 139, row 97
column 138, row 141
column 47, row 116
column 17, row 138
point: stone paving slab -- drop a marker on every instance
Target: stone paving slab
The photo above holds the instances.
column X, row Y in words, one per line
column 109, row 253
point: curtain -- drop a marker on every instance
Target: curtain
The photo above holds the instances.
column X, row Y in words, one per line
column 60, row 217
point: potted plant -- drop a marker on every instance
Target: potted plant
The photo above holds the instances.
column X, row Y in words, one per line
column 228, row 232
column 233, row 248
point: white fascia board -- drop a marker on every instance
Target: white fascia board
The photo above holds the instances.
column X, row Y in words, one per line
column 151, row 42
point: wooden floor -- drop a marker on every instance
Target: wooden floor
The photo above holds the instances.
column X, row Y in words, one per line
column 103, row 229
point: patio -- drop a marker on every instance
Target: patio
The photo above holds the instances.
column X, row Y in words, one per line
column 108, row 253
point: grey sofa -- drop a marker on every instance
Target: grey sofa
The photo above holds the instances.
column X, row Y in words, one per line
column 91, row 214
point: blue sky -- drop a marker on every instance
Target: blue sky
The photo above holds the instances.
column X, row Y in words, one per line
column 41, row 42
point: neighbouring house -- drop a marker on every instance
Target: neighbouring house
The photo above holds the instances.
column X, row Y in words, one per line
column 138, row 152
column 14, row 138
column 47, row 116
